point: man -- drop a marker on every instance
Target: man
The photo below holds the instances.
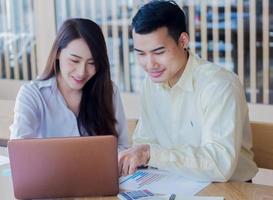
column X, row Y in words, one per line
column 194, row 116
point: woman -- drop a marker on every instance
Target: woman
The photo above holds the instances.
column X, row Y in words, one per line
column 74, row 95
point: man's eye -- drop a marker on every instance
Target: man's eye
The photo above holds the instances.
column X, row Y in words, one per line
column 159, row 53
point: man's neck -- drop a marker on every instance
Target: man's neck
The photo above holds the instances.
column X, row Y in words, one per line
column 179, row 73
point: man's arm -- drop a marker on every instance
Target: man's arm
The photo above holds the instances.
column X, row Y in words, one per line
column 215, row 159
column 223, row 117
column 139, row 155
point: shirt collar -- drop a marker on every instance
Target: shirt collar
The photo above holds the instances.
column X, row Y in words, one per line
column 51, row 82
column 185, row 82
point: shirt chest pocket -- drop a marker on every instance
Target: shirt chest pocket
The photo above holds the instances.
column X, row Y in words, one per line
column 186, row 127
column 188, row 133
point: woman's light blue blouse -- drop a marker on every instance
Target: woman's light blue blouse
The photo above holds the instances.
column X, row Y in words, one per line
column 41, row 112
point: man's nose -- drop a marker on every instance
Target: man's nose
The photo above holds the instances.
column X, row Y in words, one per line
column 151, row 63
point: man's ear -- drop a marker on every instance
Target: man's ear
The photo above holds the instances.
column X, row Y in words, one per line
column 184, row 40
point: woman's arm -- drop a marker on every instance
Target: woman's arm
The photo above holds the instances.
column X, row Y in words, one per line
column 121, row 126
column 26, row 114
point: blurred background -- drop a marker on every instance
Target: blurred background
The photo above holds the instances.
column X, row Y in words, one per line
column 236, row 34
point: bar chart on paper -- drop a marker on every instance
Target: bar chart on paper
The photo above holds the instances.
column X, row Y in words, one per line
column 160, row 182
column 142, row 178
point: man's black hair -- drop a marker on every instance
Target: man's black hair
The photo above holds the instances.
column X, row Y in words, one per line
column 157, row 14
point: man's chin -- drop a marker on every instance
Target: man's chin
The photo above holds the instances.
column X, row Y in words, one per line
column 157, row 80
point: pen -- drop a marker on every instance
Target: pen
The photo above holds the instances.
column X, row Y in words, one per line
column 146, row 167
column 172, row 197
column 142, row 167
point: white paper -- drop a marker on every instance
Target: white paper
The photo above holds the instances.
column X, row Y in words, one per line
column 179, row 197
column 4, row 160
column 161, row 182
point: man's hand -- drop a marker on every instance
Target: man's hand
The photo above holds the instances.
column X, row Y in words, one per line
column 130, row 159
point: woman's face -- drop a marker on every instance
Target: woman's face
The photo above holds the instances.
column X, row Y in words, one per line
column 76, row 65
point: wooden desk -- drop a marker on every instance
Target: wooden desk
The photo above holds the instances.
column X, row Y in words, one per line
column 230, row 190
column 238, row 190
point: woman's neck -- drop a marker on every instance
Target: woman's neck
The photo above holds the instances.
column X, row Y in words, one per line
column 71, row 97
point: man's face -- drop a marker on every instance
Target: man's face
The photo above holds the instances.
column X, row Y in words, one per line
column 160, row 55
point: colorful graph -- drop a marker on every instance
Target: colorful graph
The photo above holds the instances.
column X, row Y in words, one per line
column 142, row 178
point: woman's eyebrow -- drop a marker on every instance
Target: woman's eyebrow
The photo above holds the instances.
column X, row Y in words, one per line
column 75, row 55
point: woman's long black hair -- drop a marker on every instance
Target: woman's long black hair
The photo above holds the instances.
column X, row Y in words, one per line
column 96, row 113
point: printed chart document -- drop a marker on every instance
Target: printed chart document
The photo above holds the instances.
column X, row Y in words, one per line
column 4, row 160
column 161, row 182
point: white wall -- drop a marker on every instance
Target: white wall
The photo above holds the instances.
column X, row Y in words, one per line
column 261, row 113
column 131, row 104
column 9, row 88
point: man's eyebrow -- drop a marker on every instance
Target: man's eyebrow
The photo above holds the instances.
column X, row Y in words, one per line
column 153, row 50
column 138, row 50
column 157, row 49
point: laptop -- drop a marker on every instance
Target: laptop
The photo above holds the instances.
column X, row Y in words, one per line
column 64, row 167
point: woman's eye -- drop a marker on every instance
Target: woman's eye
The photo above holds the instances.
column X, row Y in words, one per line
column 75, row 61
column 91, row 64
